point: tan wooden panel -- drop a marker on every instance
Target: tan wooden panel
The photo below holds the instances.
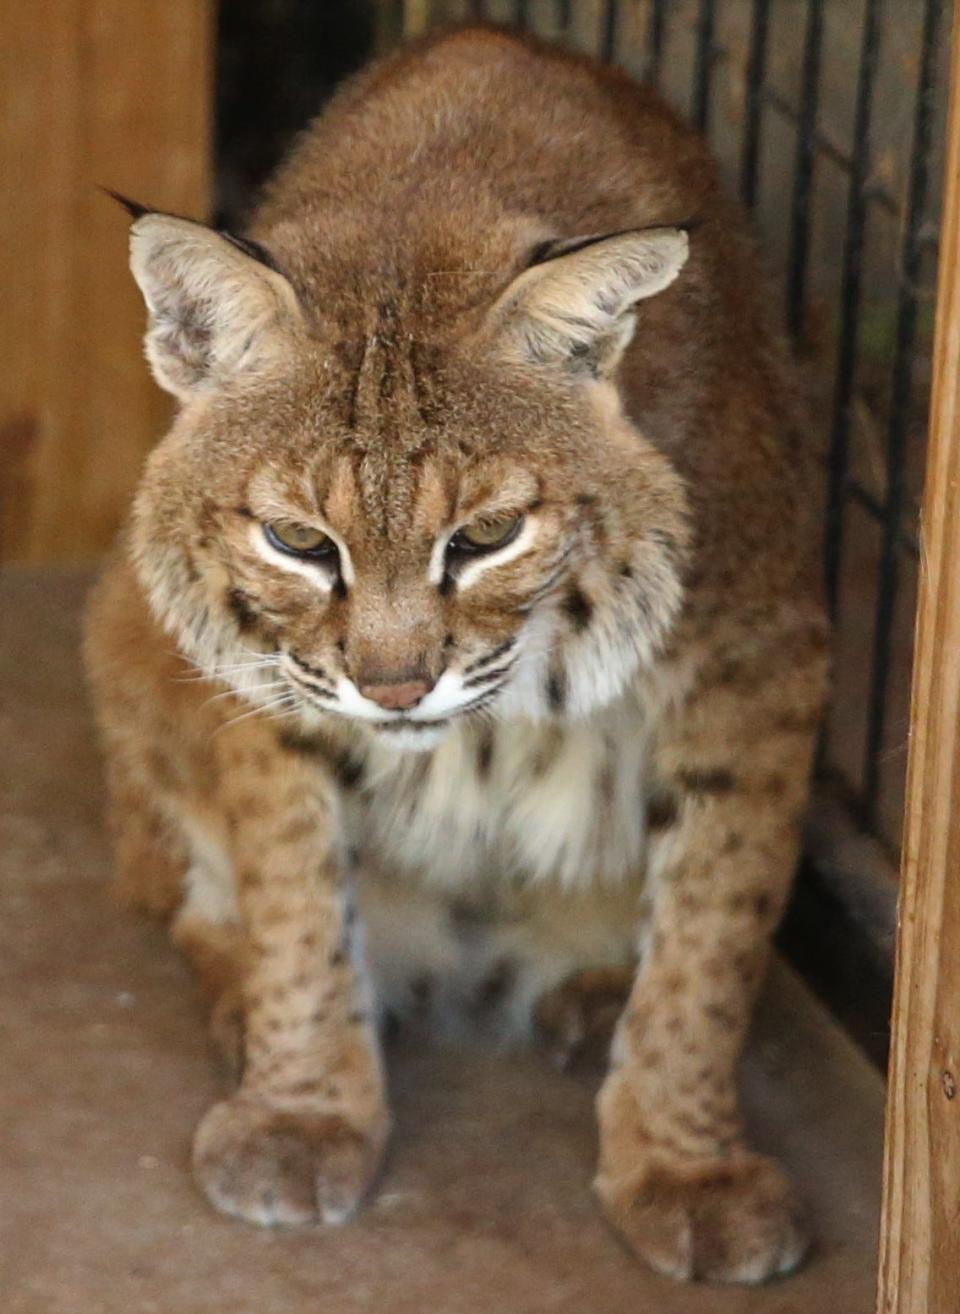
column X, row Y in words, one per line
column 920, row 1242
column 94, row 92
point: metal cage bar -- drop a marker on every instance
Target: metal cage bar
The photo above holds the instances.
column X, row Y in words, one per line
column 850, row 300
column 703, row 64
column 804, row 169
column 608, row 35
column 756, row 78
column 656, row 36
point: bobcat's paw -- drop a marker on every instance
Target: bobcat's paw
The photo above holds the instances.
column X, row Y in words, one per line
column 731, row 1220
column 271, row 1166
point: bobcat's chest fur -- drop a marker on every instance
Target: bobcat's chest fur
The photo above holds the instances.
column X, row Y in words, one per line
column 493, row 868
column 517, row 801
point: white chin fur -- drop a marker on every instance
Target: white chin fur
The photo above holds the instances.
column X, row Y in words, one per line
column 407, row 740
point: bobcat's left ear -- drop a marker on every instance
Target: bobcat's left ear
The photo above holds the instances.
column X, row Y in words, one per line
column 216, row 308
column 574, row 307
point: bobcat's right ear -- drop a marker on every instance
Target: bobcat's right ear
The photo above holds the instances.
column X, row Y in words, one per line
column 216, row 309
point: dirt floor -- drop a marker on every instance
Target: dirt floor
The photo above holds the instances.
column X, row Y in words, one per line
column 484, row 1204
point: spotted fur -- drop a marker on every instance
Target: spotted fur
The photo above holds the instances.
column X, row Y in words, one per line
column 448, row 310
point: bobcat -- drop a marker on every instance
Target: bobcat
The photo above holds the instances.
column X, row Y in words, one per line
column 464, row 655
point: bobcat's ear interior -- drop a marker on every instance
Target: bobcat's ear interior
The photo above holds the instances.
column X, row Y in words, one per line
column 574, row 307
column 216, row 310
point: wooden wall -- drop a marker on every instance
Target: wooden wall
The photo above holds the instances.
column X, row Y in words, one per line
column 110, row 92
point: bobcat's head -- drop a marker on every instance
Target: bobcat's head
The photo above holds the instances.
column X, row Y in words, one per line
column 405, row 490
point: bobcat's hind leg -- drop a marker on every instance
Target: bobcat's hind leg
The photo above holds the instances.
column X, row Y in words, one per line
column 174, row 865
column 218, row 954
column 207, row 929
column 150, row 858
column 576, row 1019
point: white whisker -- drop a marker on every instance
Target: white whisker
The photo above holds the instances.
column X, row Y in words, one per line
column 286, row 700
column 226, row 670
column 250, row 664
column 234, row 693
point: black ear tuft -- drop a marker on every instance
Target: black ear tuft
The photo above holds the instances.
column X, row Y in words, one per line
column 554, row 247
column 256, row 250
column 133, row 208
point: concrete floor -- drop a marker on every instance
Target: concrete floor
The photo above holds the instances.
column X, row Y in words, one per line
column 484, row 1205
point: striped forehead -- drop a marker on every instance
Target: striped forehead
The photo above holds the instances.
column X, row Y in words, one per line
column 391, row 386
column 384, row 495
column 390, row 495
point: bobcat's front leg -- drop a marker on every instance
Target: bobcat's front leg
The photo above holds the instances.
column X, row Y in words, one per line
column 675, row 1176
column 302, row 1137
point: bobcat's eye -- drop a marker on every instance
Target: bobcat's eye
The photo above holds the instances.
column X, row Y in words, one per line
column 487, row 533
column 299, row 540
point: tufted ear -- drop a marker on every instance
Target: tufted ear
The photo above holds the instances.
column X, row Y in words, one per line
column 574, row 307
column 216, row 308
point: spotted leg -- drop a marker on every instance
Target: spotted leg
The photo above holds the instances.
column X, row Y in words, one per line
column 302, row 1137
column 675, row 1175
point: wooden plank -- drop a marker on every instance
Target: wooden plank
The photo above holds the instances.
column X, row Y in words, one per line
column 920, row 1239
column 95, row 91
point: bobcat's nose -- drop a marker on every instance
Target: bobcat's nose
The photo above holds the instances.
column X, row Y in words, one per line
column 399, row 697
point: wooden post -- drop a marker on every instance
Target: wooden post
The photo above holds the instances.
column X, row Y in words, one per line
column 920, row 1238
column 94, row 91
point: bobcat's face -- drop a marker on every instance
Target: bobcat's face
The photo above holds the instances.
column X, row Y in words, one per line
column 352, row 525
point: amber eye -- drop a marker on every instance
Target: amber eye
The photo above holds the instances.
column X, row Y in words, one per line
column 487, row 533
column 299, row 540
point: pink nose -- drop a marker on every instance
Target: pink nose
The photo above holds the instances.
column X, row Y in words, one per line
column 396, row 697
